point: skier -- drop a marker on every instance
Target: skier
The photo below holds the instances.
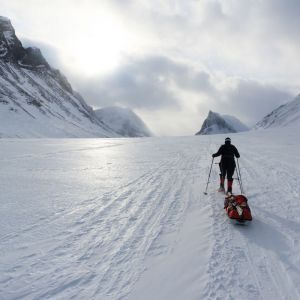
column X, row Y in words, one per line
column 227, row 163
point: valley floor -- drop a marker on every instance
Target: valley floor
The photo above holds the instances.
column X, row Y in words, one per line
column 127, row 219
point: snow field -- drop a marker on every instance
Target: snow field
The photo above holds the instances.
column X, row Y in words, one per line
column 127, row 219
column 79, row 220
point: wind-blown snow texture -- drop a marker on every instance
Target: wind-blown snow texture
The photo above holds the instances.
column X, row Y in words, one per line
column 127, row 219
column 285, row 115
column 36, row 100
column 216, row 124
column 123, row 121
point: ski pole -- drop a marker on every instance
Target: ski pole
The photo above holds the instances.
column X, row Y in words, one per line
column 205, row 193
column 240, row 176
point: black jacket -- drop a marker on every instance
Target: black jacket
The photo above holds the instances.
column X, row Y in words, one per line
column 228, row 153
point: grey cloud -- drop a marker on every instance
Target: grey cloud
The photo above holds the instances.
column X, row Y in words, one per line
column 285, row 15
column 273, row 19
column 145, row 83
column 251, row 100
column 183, row 75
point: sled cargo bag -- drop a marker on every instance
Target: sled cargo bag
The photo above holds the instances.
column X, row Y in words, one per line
column 237, row 208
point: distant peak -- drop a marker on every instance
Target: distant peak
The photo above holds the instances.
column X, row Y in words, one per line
column 123, row 121
column 216, row 123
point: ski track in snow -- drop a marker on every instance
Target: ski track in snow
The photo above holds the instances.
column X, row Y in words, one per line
column 104, row 242
column 112, row 202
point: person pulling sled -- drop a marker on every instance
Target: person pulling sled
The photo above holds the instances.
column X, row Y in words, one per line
column 227, row 164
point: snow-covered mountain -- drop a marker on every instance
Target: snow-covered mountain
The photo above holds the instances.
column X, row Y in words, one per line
column 216, row 124
column 36, row 100
column 285, row 115
column 123, row 121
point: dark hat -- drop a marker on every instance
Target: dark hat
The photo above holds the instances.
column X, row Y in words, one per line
column 228, row 140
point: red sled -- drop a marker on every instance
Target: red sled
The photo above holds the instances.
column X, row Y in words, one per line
column 237, row 208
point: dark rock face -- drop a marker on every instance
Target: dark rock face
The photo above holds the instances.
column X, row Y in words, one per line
column 11, row 48
column 215, row 124
column 33, row 58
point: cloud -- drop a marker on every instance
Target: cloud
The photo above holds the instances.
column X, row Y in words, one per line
column 251, row 100
column 250, row 39
column 157, row 86
column 284, row 15
column 146, row 83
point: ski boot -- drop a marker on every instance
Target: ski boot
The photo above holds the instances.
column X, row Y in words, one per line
column 229, row 186
column 221, row 189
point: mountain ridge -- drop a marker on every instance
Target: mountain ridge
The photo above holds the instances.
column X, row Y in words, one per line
column 287, row 114
column 37, row 100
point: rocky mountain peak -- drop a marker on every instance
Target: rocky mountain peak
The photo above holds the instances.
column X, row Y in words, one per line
column 5, row 25
column 11, row 48
column 216, row 123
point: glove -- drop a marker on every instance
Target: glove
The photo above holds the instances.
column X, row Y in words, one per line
column 213, row 155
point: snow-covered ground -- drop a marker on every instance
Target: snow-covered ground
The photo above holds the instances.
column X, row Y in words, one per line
column 127, row 219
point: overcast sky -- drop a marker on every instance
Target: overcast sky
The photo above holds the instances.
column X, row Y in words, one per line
column 170, row 61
